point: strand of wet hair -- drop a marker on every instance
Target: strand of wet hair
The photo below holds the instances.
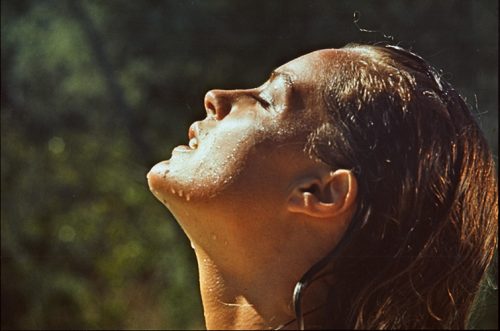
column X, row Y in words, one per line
column 355, row 19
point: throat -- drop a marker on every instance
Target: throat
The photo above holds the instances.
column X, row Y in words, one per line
column 233, row 301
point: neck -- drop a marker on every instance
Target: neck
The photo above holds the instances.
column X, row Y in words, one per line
column 233, row 302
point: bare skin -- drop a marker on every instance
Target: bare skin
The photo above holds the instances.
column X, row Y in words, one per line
column 258, row 210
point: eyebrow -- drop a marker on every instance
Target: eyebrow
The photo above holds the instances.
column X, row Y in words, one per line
column 275, row 74
column 289, row 90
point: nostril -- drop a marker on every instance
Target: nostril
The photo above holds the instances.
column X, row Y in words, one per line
column 210, row 104
column 217, row 104
column 210, row 108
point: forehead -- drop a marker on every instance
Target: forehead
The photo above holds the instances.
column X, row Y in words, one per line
column 312, row 66
column 310, row 74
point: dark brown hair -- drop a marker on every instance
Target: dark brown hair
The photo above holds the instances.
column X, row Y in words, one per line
column 425, row 228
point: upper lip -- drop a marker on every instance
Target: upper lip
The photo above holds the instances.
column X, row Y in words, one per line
column 194, row 130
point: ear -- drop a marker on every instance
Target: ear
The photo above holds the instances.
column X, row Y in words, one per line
column 331, row 195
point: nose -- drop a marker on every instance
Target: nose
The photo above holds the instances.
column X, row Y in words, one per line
column 218, row 103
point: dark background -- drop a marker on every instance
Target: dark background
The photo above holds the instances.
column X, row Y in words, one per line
column 93, row 93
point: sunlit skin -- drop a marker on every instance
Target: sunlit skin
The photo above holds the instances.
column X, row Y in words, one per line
column 257, row 208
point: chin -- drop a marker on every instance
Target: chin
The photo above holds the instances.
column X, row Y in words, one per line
column 164, row 187
column 174, row 187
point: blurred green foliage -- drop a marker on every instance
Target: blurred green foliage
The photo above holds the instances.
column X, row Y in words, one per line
column 95, row 92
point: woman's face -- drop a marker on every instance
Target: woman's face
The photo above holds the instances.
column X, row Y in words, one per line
column 233, row 181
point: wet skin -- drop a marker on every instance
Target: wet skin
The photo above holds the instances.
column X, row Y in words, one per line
column 240, row 192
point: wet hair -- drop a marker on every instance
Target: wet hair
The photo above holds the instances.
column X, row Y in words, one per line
column 425, row 228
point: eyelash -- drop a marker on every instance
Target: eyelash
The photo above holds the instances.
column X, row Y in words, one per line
column 266, row 104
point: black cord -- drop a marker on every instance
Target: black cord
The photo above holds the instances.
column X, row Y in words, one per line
column 304, row 281
column 290, row 322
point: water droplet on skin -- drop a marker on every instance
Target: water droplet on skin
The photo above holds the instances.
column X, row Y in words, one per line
column 188, row 197
column 214, row 236
column 225, row 242
column 192, row 246
column 180, row 193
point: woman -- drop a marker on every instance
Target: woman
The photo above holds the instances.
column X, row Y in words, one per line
column 352, row 190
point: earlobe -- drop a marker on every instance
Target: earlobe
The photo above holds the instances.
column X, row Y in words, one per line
column 331, row 195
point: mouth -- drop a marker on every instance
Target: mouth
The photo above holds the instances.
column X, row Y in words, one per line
column 193, row 140
column 193, row 134
column 193, row 143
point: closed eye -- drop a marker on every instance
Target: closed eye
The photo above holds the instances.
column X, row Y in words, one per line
column 264, row 103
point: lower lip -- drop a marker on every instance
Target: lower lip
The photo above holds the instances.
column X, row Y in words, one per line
column 182, row 149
